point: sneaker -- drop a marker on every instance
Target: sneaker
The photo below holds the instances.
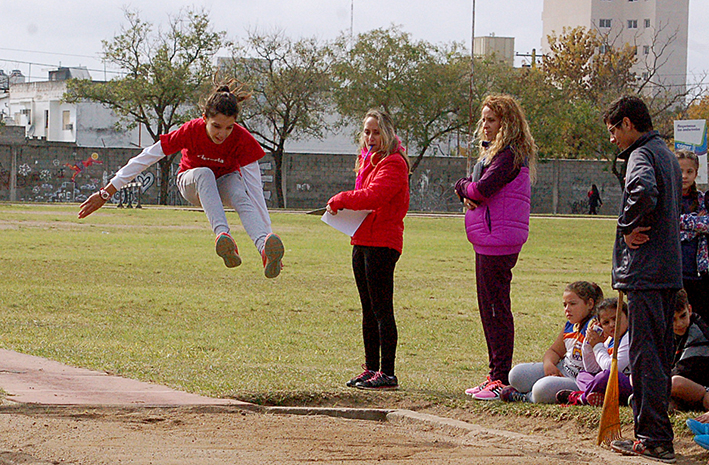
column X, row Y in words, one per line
column 569, row 397
column 226, row 248
column 702, row 440
column 474, row 390
column 379, row 382
column 698, row 427
column 562, row 397
column 272, row 254
column 510, row 394
column 491, row 391
column 364, row 376
column 595, row 399
column 659, row 453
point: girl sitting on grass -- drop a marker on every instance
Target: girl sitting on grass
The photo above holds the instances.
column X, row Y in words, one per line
column 597, row 353
column 539, row 382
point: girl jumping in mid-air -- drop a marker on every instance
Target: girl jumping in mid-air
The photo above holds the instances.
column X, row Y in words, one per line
column 219, row 166
column 539, row 382
column 382, row 186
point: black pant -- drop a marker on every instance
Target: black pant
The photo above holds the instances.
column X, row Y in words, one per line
column 698, row 295
column 493, row 278
column 650, row 314
column 374, row 274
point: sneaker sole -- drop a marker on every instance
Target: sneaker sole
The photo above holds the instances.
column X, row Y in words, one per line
column 226, row 249
column 273, row 250
column 649, row 457
column 382, row 388
column 486, row 398
column 595, row 399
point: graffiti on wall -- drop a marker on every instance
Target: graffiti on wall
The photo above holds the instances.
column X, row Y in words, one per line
column 42, row 183
column 80, row 166
column 430, row 193
column 4, row 177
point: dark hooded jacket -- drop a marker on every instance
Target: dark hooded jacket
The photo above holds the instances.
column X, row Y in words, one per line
column 652, row 197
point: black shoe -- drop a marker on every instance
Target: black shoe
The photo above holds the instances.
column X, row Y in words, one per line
column 362, row 377
column 379, row 382
column 659, row 453
column 562, row 397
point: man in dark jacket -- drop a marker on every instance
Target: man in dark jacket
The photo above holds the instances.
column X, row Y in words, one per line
column 647, row 266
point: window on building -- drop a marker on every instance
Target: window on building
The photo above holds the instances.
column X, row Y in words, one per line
column 604, row 23
column 27, row 113
column 603, row 48
column 632, row 24
column 645, row 75
column 66, row 120
column 646, row 49
column 647, row 23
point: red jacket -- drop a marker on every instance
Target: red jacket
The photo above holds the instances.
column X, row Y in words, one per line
column 385, row 191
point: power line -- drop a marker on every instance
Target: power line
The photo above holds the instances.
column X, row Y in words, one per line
column 47, row 53
column 34, row 63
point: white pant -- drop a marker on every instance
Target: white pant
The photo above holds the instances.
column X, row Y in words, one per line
column 529, row 378
column 199, row 187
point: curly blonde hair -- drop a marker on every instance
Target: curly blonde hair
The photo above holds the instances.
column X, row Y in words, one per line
column 514, row 132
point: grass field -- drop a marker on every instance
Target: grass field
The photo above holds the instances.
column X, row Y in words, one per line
column 140, row 293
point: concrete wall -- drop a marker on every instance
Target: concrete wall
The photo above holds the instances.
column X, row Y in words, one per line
column 40, row 171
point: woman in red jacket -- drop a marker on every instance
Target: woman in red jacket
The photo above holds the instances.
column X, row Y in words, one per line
column 383, row 187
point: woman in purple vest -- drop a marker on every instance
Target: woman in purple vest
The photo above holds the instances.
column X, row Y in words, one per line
column 497, row 196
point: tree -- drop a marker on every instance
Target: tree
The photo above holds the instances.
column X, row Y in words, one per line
column 590, row 72
column 699, row 109
column 166, row 71
column 584, row 65
column 290, row 81
column 425, row 88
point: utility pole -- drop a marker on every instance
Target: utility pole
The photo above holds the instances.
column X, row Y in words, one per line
column 351, row 21
column 472, row 88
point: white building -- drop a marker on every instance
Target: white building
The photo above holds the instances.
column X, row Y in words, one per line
column 657, row 28
column 38, row 106
column 502, row 49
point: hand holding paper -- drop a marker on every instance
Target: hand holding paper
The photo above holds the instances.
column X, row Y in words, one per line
column 346, row 221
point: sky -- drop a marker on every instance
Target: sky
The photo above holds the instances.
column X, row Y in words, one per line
column 49, row 33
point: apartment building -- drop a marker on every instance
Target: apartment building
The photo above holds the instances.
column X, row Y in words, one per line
column 38, row 106
column 656, row 28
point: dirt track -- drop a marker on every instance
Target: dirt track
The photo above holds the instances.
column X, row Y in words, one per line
column 230, row 435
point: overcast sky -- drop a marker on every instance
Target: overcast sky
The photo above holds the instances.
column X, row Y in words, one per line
column 52, row 32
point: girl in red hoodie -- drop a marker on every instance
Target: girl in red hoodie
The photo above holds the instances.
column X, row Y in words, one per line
column 383, row 187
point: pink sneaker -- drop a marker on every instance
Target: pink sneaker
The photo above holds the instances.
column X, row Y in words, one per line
column 491, row 391
column 595, row 399
column 474, row 390
column 226, row 248
column 272, row 254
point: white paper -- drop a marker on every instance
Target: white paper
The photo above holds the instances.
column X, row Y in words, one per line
column 346, row 221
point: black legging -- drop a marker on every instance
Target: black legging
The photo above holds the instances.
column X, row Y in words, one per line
column 374, row 274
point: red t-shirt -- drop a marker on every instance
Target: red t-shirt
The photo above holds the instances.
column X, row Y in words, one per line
column 198, row 150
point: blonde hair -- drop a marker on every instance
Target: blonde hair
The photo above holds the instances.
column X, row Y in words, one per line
column 514, row 132
column 390, row 142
